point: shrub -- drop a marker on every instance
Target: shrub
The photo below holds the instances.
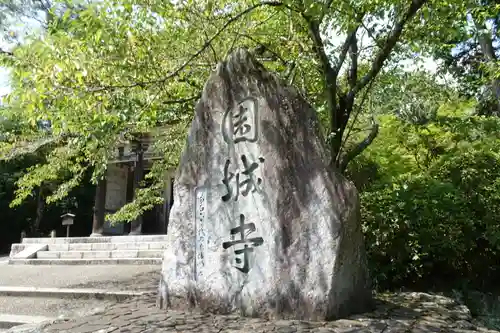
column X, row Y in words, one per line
column 431, row 215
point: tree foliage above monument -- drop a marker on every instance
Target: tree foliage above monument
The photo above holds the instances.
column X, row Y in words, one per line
column 115, row 67
column 467, row 39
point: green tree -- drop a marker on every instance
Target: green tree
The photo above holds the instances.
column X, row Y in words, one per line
column 429, row 187
column 430, row 210
column 111, row 68
column 468, row 43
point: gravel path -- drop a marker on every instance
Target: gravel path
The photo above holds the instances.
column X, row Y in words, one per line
column 116, row 277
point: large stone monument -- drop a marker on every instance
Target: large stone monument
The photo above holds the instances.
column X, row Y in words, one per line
column 261, row 225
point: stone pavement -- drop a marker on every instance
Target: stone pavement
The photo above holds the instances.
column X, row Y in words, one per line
column 403, row 312
column 117, row 277
column 108, row 278
column 50, row 307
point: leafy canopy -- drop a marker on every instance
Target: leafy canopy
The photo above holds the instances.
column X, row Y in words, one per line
column 108, row 69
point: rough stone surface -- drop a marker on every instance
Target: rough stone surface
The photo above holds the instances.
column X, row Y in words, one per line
column 254, row 168
column 394, row 313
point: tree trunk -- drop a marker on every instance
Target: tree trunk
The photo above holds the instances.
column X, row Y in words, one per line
column 486, row 45
column 99, row 208
column 40, row 208
column 136, row 225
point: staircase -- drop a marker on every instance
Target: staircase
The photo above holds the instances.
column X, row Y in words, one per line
column 127, row 250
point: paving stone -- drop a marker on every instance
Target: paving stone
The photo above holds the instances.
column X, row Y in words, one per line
column 168, row 323
column 308, row 325
column 132, row 316
column 108, row 330
column 87, row 328
column 154, row 318
column 135, row 329
column 426, row 327
column 394, row 326
column 139, row 316
column 463, row 324
column 101, row 321
column 188, row 327
column 323, row 330
column 63, row 326
column 354, row 330
column 289, row 329
column 377, row 326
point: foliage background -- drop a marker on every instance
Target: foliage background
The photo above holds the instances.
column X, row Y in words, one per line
column 431, row 207
column 429, row 182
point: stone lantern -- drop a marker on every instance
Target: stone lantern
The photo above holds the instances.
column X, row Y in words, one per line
column 67, row 220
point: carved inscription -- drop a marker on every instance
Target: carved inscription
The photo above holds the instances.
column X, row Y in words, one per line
column 234, row 183
column 241, row 124
column 201, row 237
column 248, row 244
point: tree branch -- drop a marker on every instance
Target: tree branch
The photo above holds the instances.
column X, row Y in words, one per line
column 319, row 47
column 371, row 35
column 214, row 53
column 360, row 147
column 344, row 49
column 390, row 42
column 352, row 77
column 330, row 80
column 353, row 55
column 343, row 159
column 290, row 73
column 197, row 53
column 264, row 48
column 182, row 100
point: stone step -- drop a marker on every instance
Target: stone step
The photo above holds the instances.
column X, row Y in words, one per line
column 99, row 254
column 104, row 239
column 70, row 293
column 140, row 242
column 112, row 250
column 95, row 261
column 107, row 246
